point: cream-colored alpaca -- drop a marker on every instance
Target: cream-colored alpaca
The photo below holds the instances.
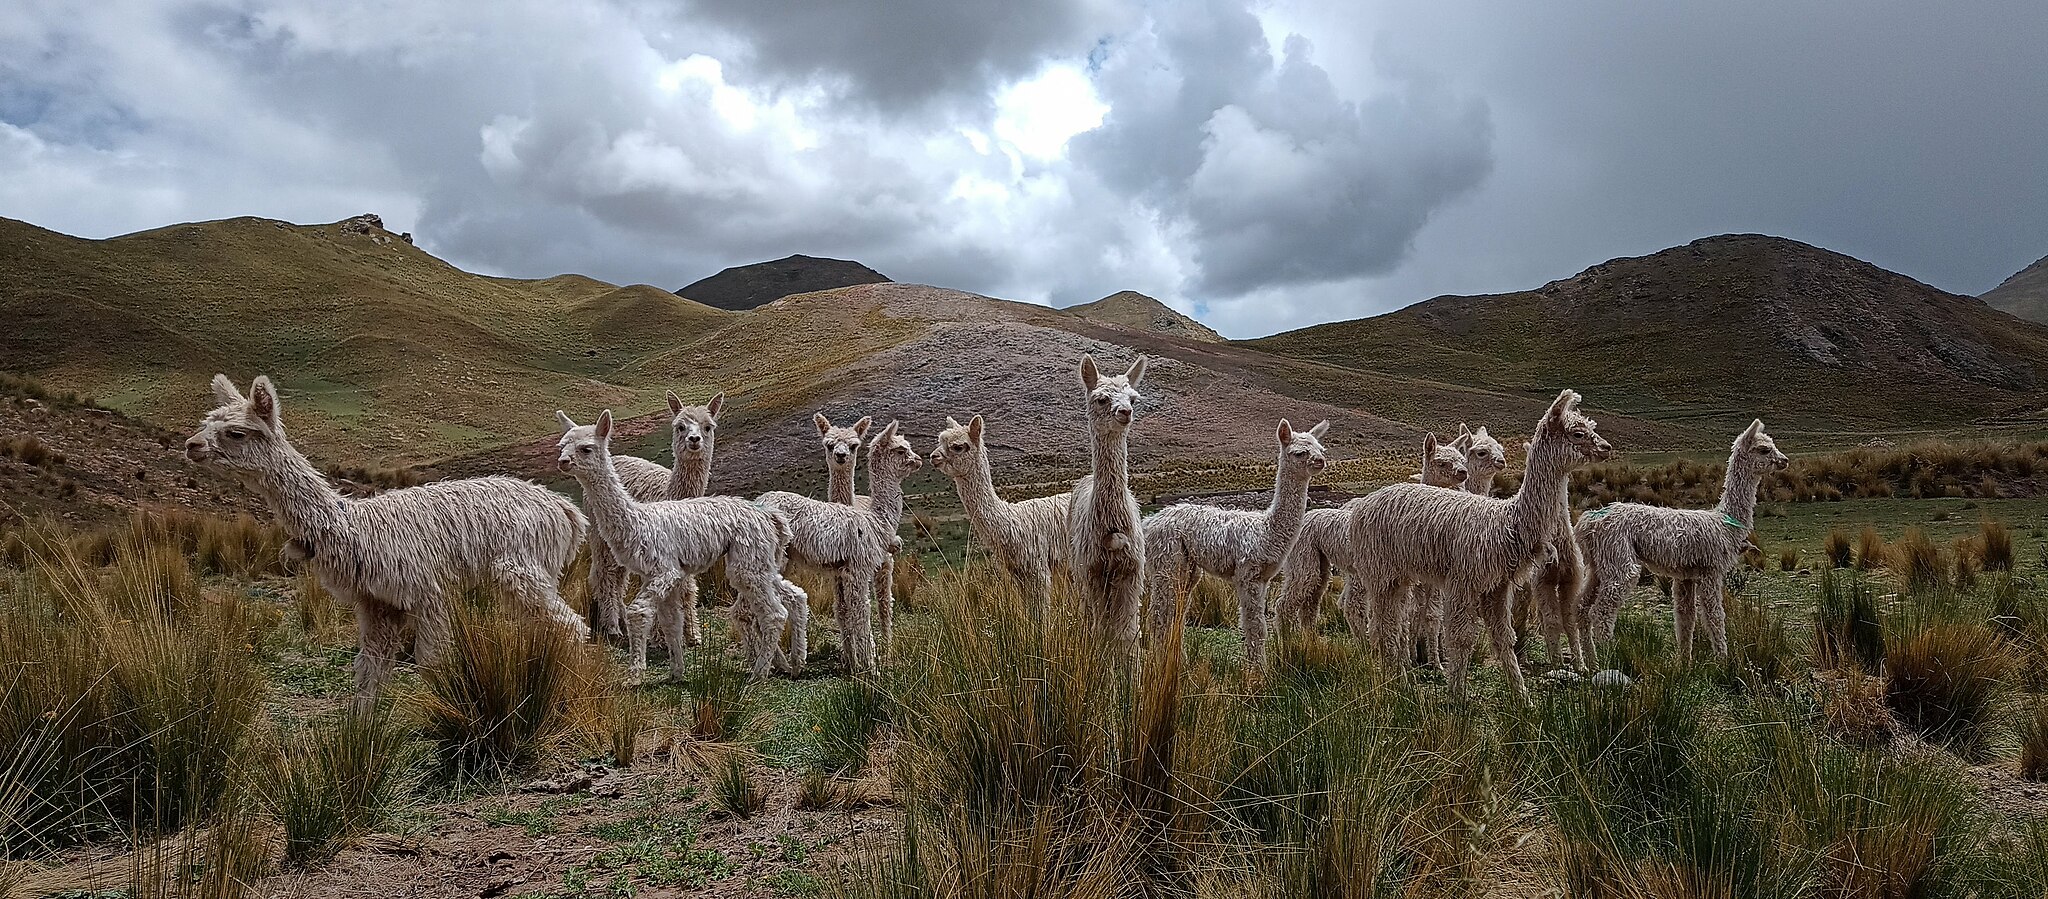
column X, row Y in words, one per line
column 1108, row 548
column 1324, row 544
column 842, row 452
column 670, row 541
column 1447, row 465
column 890, row 460
column 396, row 554
column 852, row 544
column 1029, row 539
column 1245, row 548
column 693, row 432
column 1695, row 548
column 1475, row 549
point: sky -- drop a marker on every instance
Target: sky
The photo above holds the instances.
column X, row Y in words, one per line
column 1262, row 165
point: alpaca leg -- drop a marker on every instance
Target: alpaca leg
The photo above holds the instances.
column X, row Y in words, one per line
column 1546, row 607
column 1713, row 613
column 796, row 606
column 1432, row 606
column 1350, row 598
column 1684, row 598
column 885, row 602
column 673, row 622
column 640, row 620
column 1615, row 585
column 1499, row 609
column 1389, row 619
column 607, row 590
column 380, row 633
column 857, row 638
column 1301, row 589
column 769, row 615
column 433, row 629
column 1163, row 599
column 533, row 586
column 1461, row 627
column 1251, row 619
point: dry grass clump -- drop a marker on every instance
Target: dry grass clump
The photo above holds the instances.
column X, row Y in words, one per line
column 30, row 450
column 1871, row 553
column 1837, row 550
column 2034, row 745
column 1945, row 681
column 510, row 693
column 336, row 780
column 1980, row 470
column 1994, row 545
column 1788, row 558
column 1918, row 561
column 1847, row 631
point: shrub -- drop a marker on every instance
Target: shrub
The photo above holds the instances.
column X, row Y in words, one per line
column 507, row 693
column 1918, row 560
column 338, row 780
column 1945, row 681
column 1837, row 550
column 1994, row 545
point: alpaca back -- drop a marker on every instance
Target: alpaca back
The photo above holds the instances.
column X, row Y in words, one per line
column 413, row 541
column 1323, row 538
column 645, row 481
column 827, row 535
column 1670, row 542
column 1214, row 539
column 1042, row 529
column 1429, row 535
column 693, row 534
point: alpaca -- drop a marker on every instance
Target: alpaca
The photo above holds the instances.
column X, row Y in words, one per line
column 396, row 554
column 842, row 447
column 1485, row 457
column 1244, row 548
column 851, row 543
column 1324, row 544
column 890, row 460
column 1108, row 544
column 1474, row 549
column 1029, row 539
column 694, row 436
column 669, row 541
column 1445, row 465
column 1694, row 547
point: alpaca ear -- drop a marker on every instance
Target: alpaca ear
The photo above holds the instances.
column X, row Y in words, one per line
column 887, row 436
column 225, row 392
column 717, row 403
column 675, row 403
column 568, row 424
column 1321, row 428
column 604, row 425
column 860, row 428
column 1429, row 445
column 824, row 424
column 1285, row 432
column 1136, row 372
column 1562, row 406
column 1088, row 374
column 974, row 429
column 1480, row 434
column 952, row 422
column 1755, row 427
column 1462, row 430
column 263, row 401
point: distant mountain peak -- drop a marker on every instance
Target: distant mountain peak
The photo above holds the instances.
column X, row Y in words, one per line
column 1139, row 312
column 747, row 286
column 2025, row 294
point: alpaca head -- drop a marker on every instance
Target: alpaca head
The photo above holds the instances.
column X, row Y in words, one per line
column 583, row 447
column 890, row 457
column 1756, row 451
column 959, row 449
column 245, row 433
column 1484, row 455
column 695, row 427
column 841, row 444
column 1565, row 427
column 1302, row 451
column 1112, row 399
column 1442, row 464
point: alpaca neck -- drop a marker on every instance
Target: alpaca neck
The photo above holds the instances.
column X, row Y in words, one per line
column 885, row 497
column 307, row 506
column 1738, row 493
column 1110, row 460
column 977, row 489
column 605, row 496
column 1543, row 491
column 1479, row 484
column 839, row 484
column 692, row 475
column 1290, row 503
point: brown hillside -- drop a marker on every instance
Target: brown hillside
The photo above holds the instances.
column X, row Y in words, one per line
column 2025, row 294
column 1139, row 312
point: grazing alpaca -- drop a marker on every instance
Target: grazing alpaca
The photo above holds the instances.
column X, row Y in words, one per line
column 694, row 437
column 890, row 460
column 669, row 541
column 842, row 448
column 1030, row 539
column 851, row 543
column 397, row 553
column 1325, row 545
column 1475, row 549
column 1694, row 547
column 1244, row 548
column 1108, row 549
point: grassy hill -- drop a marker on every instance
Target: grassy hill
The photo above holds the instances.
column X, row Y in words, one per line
column 2025, row 294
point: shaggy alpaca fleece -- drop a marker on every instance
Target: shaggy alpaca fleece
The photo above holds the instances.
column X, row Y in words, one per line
column 890, row 460
column 855, row 545
column 1474, row 549
column 1030, row 539
column 1244, row 548
column 397, row 553
column 669, row 542
column 693, row 432
column 1485, row 458
column 1108, row 548
column 1696, row 548
column 842, row 448
column 1444, row 465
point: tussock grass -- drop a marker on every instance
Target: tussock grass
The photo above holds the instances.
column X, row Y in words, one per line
column 1871, row 553
column 1924, row 470
column 510, row 693
column 1837, row 550
column 1946, row 681
column 338, row 779
column 1994, row 545
column 1847, row 631
column 1918, row 561
column 734, row 788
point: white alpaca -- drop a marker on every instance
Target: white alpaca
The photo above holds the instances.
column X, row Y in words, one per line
column 1029, row 539
column 842, row 449
column 1475, row 549
column 1485, row 458
column 1445, row 465
column 853, row 545
column 398, row 553
column 1325, row 543
column 1108, row 548
column 890, row 460
column 693, row 434
column 670, row 541
column 1244, row 548
column 1695, row 548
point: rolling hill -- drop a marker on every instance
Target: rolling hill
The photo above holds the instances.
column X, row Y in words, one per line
column 743, row 287
column 1139, row 312
column 2025, row 294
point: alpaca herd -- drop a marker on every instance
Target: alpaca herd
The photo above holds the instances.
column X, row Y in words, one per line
column 1428, row 563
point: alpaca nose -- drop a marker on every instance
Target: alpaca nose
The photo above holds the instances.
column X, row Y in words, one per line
column 195, row 449
column 694, row 440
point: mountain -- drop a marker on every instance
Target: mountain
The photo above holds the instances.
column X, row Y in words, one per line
column 1715, row 331
column 2025, row 294
column 747, row 286
column 1139, row 312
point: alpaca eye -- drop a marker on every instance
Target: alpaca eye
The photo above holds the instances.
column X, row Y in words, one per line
column 584, row 450
column 1101, row 399
column 959, row 447
column 237, row 434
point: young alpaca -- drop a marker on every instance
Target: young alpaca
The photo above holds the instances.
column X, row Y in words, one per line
column 1694, row 547
column 1324, row 545
column 397, row 553
column 669, row 541
column 693, row 432
column 1108, row 549
column 1485, row 457
column 1444, row 465
column 1474, row 549
column 890, row 460
column 1029, row 539
column 854, row 545
column 842, row 448
column 1244, row 548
